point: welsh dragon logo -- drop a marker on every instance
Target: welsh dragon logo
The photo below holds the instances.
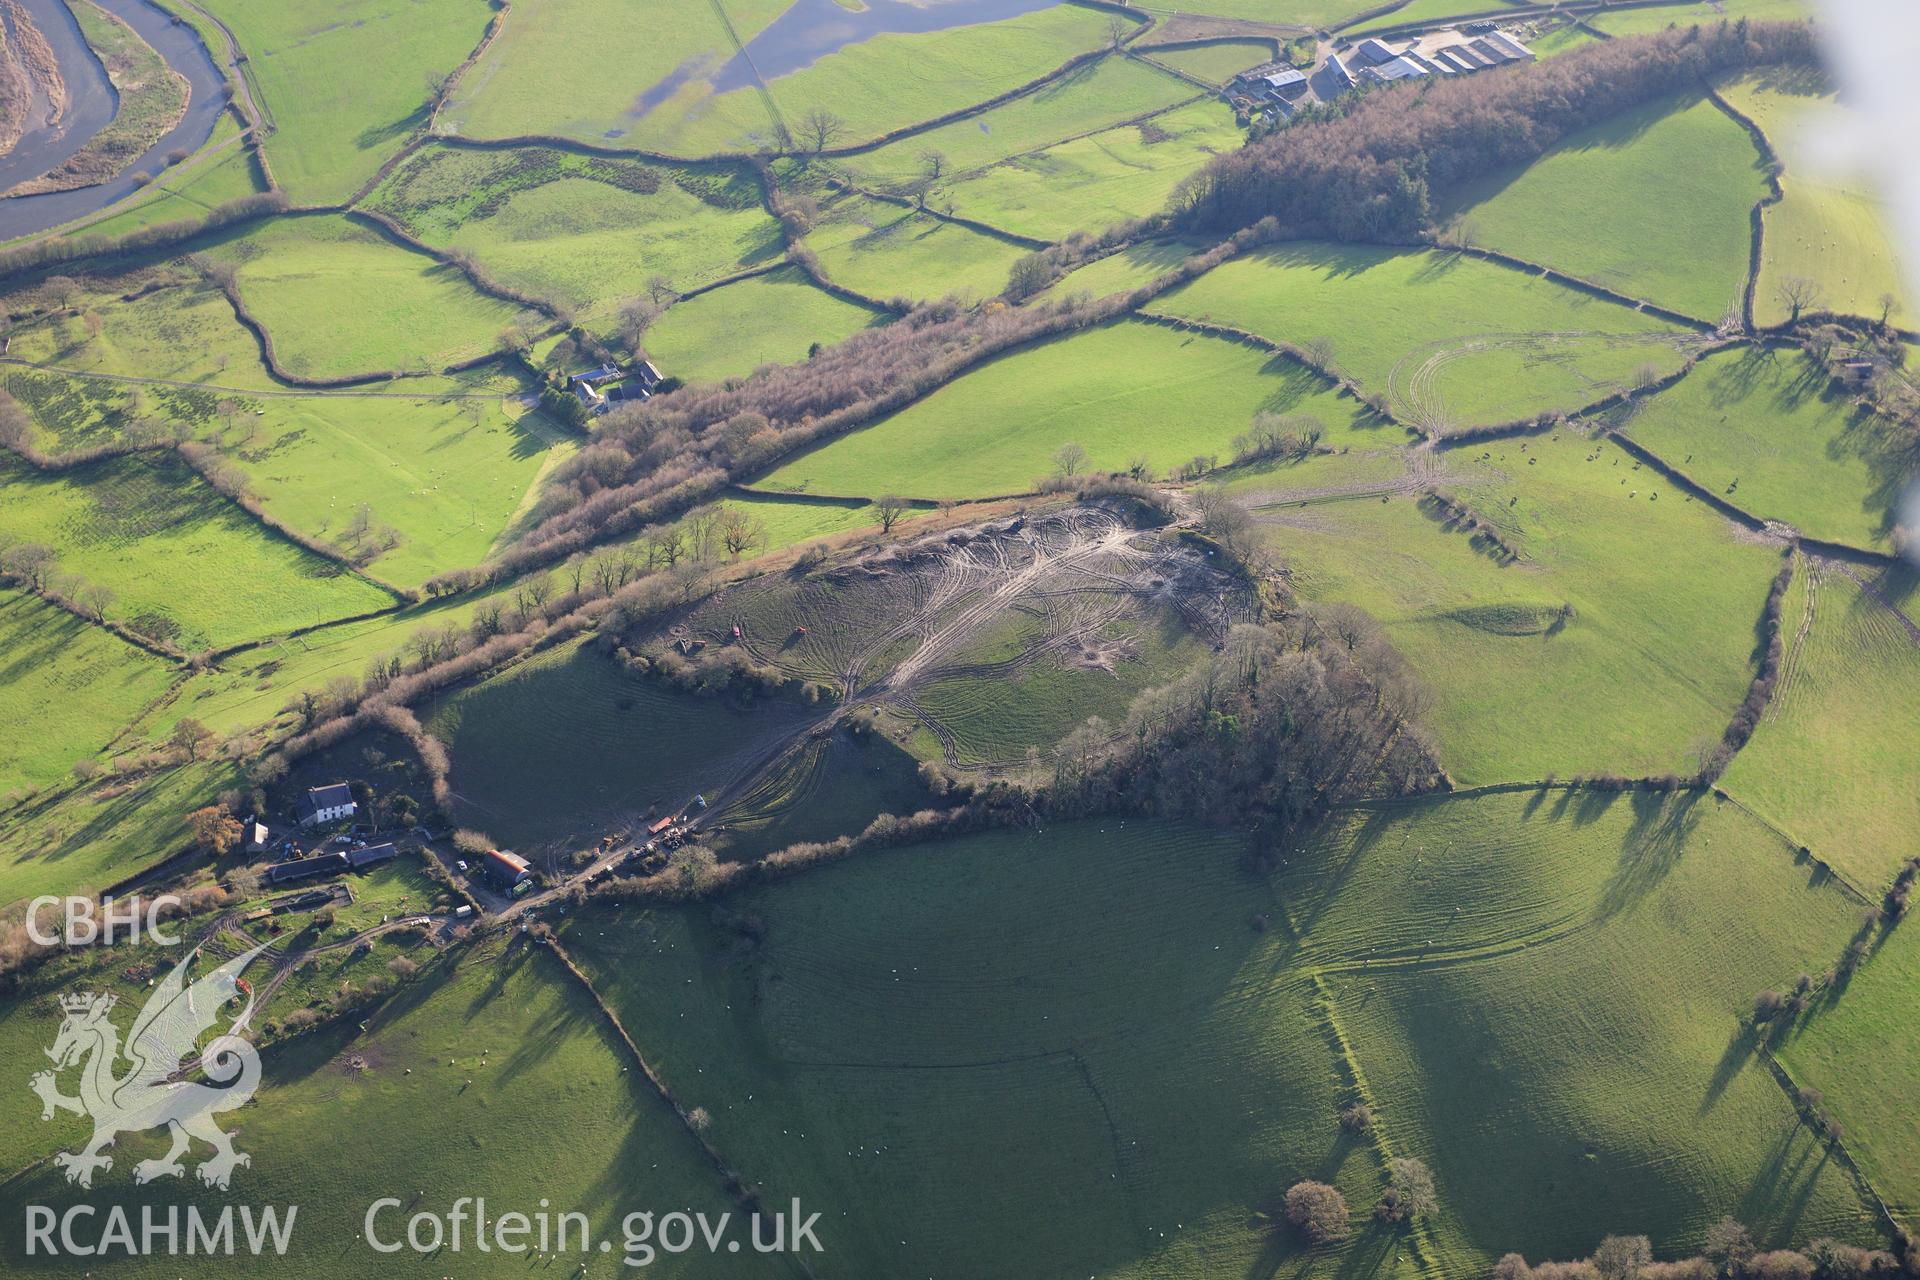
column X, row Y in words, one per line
column 150, row 1094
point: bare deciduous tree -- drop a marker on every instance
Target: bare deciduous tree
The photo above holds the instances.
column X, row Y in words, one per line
column 1797, row 294
column 890, row 509
column 819, row 128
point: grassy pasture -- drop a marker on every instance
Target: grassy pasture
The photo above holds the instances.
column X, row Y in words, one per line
column 1153, row 1069
column 1449, row 339
column 490, row 1071
column 174, row 552
column 1634, row 22
column 185, row 332
column 568, row 744
column 1304, row 14
column 1120, row 272
column 995, row 717
column 1828, row 763
column 77, row 685
column 1643, row 675
column 1543, row 991
column 588, row 233
column 834, row 789
column 341, row 299
column 346, row 86
column 1859, row 1051
column 88, row 837
column 885, row 251
column 894, row 80
column 768, row 319
column 449, row 476
column 1582, row 206
column 792, row 521
column 1121, row 391
column 1087, row 99
column 1217, row 62
column 254, row 688
column 1767, row 430
column 1417, row 11
column 1092, row 182
column 1559, row 40
column 634, row 74
column 1830, row 227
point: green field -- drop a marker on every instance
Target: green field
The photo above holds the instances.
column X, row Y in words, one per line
column 1167, row 1068
column 1093, row 182
column 667, row 54
column 888, row 252
column 567, row 745
column 1121, row 391
column 1769, row 432
column 1086, row 100
column 182, row 561
column 1218, row 61
column 91, row 836
column 1634, row 22
column 341, row 300
column 1829, row 228
column 776, row 318
column 447, row 476
column 255, row 687
column 609, row 53
column 1075, row 1035
column 1418, row 11
column 891, row 81
column 1560, row 40
column 1858, row 1052
column 588, row 234
column 1544, row 990
column 1640, row 678
column 491, row 1072
column 185, row 332
column 1121, row 271
column 1450, row 340
column 76, row 684
column 1582, row 206
column 792, row 521
column 1828, row 763
column 995, row 717
column 1303, row 14
column 346, row 87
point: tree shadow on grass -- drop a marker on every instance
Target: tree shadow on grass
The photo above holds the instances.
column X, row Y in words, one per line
column 1784, row 1185
column 1742, row 1045
column 380, row 134
column 1653, row 846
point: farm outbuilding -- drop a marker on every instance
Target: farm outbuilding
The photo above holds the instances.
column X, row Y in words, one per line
column 371, row 855
column 506, row 869
column 322, row 864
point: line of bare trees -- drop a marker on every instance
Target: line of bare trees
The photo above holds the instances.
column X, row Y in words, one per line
column 1728, row 1252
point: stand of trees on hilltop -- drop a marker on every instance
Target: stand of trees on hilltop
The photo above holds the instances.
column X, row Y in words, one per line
column 1290, row 718
column 1373, row 171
